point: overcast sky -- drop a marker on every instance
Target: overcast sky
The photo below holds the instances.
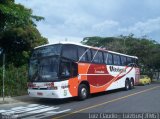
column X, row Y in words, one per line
column 75, row 19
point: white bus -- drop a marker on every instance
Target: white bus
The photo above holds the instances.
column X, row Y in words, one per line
column 67, row 70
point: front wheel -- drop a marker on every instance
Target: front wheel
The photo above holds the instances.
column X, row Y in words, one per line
column 83, row 92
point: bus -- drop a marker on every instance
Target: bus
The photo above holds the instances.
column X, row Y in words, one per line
column 66, row 70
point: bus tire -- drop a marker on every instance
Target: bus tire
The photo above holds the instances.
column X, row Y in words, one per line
column 82, row 92
column 127, row 85
column 131, row 84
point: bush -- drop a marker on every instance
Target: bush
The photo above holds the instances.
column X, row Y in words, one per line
column 15, row 81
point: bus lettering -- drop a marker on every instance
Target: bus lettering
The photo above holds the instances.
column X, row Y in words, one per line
column 114, row 69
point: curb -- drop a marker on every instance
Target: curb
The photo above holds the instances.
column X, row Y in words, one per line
column 8, row 100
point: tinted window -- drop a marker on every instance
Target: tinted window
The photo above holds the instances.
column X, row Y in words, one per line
column 110, row 59
column 93, row 53
column 97, row 57
column 65, row 69
column 129, row 60
column 70, row 52
column 47, row 51
column 68, row 69
column 82, row 54
column 44, row 69
column 136, row 61
column 116, row 60
column 105, row 57
column 123, row 60
column 89, row 56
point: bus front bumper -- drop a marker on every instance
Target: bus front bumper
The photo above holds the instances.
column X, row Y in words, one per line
column 46, row 93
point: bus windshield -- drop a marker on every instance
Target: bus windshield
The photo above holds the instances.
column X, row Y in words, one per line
column 44, row 69
column 44, row 63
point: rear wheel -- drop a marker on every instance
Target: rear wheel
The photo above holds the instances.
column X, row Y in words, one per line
column 82, row 92
column 127, row 85
column 131, row 84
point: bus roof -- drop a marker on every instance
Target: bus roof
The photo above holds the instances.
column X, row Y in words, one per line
column 79, row 44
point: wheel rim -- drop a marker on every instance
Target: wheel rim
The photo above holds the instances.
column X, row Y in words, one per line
column 132, row 84
column 84, row 92
column 127, row 86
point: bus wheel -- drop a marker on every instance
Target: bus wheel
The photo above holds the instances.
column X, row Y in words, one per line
column 127, row 85
column 82, row 92
column 131, row 84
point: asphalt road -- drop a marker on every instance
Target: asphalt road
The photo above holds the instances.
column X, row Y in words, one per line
column 141, row 100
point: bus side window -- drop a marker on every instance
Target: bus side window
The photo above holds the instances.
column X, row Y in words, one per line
column 68, row 69
column 82, row 56
column 98, row 57
column 116, row 60
column 136, row 60
column 110, row 59
column 65, row 69
column 70, row 52
column 129, row 61
column 93, row 54
column 74, row 69
column 105, row 57
column 123, row 60
column 133, row 62
column 89, row 56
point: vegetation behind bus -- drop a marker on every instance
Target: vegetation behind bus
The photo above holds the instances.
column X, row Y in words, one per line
column 15, row 80
column 147, row 50
column 18, row 36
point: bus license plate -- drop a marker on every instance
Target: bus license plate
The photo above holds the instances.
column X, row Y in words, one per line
column 39, row 93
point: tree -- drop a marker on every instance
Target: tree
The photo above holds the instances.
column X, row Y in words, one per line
column 18, row 32
column 18, row 43
column 12, row 14
column 148, row 51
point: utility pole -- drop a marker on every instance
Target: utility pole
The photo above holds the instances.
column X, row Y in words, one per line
column 3, row 72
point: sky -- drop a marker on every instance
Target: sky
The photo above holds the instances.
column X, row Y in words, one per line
column 72, row 20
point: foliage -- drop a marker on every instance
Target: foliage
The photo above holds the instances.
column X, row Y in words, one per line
column 15, row 81
column 18, row 43
column 18, row 32
column 18, row 36
column 15, row 15
column 148, row 51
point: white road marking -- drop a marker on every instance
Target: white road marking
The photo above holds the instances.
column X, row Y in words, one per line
column 47, row 114
column 33, row 105
column 38, row 112
column 60, row 111
column 24, row 109
column 34, row 111
column 1, row 111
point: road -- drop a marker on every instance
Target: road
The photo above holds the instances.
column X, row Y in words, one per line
column 142, row 99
